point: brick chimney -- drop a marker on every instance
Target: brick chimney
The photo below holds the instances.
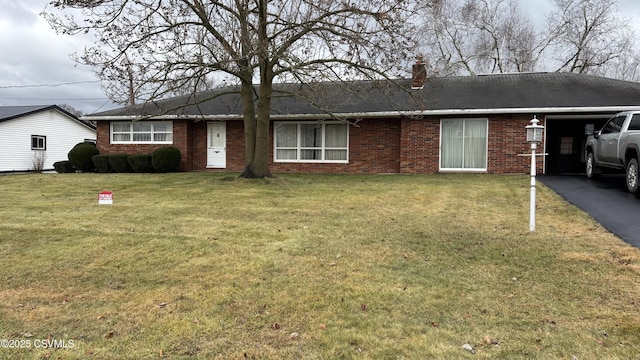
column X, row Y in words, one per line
column 419, row 74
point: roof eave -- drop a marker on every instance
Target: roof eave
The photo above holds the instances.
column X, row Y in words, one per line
column 381, row 114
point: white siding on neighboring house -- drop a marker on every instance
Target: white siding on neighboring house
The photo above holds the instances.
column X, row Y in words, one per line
column 60, row 133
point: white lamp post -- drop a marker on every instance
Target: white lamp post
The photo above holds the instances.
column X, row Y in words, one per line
column 534, row 137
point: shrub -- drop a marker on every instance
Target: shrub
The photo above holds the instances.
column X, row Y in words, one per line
column 166, row 159
column 101, row 163
column 91, row 143
column 64, row 167
column 140, row 163
column 80, row 157
column 119, row 163
column 38, row 161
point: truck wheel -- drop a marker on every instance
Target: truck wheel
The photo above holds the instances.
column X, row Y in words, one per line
column 632, row 176
column 591, row 167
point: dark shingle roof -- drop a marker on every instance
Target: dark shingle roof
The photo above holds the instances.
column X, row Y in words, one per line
column 484, row 92
column 12, row 112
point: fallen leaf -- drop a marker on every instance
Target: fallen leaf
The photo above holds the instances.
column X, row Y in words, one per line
column 434, row 324
column 100, row 317
column 323, row 327
column 363, row 307
column 196, row 321
column 108, row 335
column 294, row 336
column 405, row 256
column 161, row 354
column 275, row 326
column 487, row 340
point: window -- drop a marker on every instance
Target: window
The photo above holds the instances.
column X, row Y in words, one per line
column 311, row 142
column 614, row 125
column 141, row 132
column 38, row 142
column 566, row 145
column 463, row 144
column 635, row 122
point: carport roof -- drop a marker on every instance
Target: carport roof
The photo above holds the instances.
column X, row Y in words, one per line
column 519, row 92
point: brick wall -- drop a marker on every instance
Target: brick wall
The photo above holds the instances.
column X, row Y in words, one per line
column 408, row 145
column 507, row 139
column 182, row 135
column 420, row 142
column 374, row 148
column 420, row 139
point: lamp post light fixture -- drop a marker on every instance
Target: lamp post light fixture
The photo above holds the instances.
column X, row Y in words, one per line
column 534, row 137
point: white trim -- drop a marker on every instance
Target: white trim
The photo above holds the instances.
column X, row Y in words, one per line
column 40, row 138
column 381, row 114
column 300, row 148
column 465, row 170
column 131, row 133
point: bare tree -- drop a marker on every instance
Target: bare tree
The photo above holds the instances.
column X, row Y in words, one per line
column 153, row 47
column 70, row 109
column 491, row 36
column 589, row 36
column 479, row 36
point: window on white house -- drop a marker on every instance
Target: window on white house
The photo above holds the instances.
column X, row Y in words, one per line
column 463, row 144
column 142, row 132
column 311, row 142
column 38, row 142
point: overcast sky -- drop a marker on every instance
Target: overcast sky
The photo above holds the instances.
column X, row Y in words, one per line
column 36, row 68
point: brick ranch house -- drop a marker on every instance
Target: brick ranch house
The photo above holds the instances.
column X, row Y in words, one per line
column 449, row 124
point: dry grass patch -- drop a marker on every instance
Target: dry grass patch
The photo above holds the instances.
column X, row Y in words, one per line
column 209, row 266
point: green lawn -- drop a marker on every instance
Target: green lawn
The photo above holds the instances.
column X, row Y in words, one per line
column 209, row 266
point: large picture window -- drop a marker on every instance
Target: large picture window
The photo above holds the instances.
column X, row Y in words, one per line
column 311, row 142
column 142, row 132
column 463, row 144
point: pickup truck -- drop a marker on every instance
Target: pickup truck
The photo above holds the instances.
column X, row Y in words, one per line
column 616, row 148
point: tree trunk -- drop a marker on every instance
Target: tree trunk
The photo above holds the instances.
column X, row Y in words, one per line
column 249, row 116
column 258, row 167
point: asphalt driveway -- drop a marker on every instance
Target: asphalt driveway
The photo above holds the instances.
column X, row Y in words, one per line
column 606, row 199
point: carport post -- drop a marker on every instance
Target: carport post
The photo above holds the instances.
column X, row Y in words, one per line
column 534, row 137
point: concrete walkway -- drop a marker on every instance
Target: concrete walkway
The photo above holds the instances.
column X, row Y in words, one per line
column 606, row 199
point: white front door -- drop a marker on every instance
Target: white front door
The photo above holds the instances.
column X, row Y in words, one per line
column 217, row 145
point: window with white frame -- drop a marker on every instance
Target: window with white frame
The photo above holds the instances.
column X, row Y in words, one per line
column 38, row 142
column 463, row 144
column 311, row 142
column 142, row 132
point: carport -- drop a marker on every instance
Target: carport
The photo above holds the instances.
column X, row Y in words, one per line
column 565, row 141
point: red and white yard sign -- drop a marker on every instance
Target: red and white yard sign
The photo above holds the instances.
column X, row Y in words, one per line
column 105, row 197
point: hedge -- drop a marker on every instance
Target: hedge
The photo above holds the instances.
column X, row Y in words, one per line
column 64, row 167
column 101, row 163
column 80, row 157
column 119, row 163
column 166, row 159
column 141, row 163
